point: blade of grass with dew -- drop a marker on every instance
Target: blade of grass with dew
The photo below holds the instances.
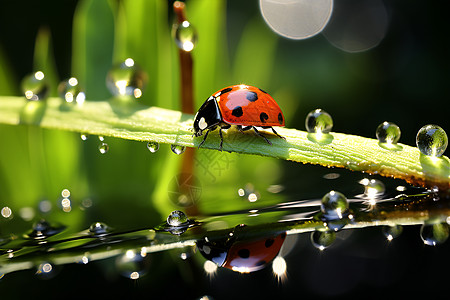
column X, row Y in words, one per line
column 172, row 127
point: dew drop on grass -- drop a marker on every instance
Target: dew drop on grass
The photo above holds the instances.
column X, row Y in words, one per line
column 99, row 228
column 177, row 149
column 70, row 91
column 177, row 218
column 35, row 86
column 126, row 79
column 388, row 132
column 322, row 239
column 373, row 188
column 318, row 121
column 103, row 148
column 152, row 147
column 432, row 140
column 185, row 36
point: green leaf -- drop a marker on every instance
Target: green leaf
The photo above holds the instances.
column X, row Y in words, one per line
column 136, row 122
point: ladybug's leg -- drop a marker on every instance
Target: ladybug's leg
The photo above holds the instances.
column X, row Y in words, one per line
column 244, row 129
column 204, row 139
column 257, row 132
column 224, row 126
column 277, row 133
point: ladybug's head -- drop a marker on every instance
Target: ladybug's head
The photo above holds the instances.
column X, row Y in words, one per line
column 208, row 116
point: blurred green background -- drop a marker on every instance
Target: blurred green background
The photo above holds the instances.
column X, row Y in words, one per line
column 402, row 80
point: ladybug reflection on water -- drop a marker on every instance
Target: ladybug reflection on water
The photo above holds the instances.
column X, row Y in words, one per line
column 242, row 256
column 242, row 105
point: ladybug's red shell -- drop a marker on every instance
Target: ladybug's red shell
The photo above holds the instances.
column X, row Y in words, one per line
column 242, row 255
column 248, row 106
column 244, row 106
column 252, row 256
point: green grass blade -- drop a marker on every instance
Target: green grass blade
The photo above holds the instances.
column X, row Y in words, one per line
column 140, row 123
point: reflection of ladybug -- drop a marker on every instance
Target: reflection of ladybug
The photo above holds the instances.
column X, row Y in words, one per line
column 242, row 105
column 242, row 255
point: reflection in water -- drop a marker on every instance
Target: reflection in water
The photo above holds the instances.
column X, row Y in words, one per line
column 245, row 248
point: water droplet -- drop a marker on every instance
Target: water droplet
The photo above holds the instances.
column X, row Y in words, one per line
column 335, row 210
column 388, row 132
column 71, row 92
column 433, row 234
column 392, row 232
column 334, row 205
column 133, row 264
column 432, row 140
column 99, row 228
column 42, row 229
column 322, row 239
column 318, row 121
column 373, row 188
column 35, row 86
column 126, row 79
column 152, row 147
column 177, row 149
column 84, row 136
column 103, row 148
column 177, row 218
column 185, row 35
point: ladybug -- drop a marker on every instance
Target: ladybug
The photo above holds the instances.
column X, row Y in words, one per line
column 242, row 256
column 241, row 105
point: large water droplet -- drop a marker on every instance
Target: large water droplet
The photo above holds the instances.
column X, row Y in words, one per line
column 126, row 79
column 334, row 205
column 335, row 210
column 185, row 35
column 322, row 239
column 318, row 121
column 99, row 228
column 432, row 140
column 71, row 92
column 103, row 148
column 433, row 234
column 388, row 132
column 177, row 218
column 35, row 86
column 177, row 149
column 152, row 147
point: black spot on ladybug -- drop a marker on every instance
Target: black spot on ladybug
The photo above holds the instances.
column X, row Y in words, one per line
column 263, row 117
column 226, row 90
column 280, row 118
column 237, row 112
column 283, row 235
column 251, row 96
column 260, row 263
column 262, row 91
column 244, row 253
column 269, row 242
